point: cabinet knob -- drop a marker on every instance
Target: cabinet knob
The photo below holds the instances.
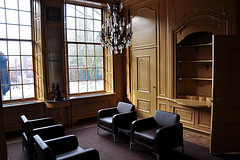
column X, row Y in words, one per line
column 154, row 87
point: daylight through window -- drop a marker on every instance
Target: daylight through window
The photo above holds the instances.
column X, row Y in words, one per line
column 85, row 54
column 16, row 60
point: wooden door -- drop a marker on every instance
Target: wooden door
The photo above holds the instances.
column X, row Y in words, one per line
column 225, row 134
column 144, row 81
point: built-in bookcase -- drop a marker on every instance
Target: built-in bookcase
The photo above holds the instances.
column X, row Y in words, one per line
column 194, row 66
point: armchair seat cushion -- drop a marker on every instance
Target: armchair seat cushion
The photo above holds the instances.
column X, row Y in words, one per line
column 106, row 121
column 146, row 136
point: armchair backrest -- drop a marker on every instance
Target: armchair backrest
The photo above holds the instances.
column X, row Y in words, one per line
column 123, row 107
column 163, row 118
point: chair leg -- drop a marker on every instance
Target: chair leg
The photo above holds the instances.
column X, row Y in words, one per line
column 130, row 147
column 114, row 138
column 97, row 129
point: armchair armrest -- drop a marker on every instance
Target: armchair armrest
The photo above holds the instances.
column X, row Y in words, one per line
column 62, row 144
column 49, row 132
column 124, row 120
column 169, row 136
column 107, row 112
column 87, row 154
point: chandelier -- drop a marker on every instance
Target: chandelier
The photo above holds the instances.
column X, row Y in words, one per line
column 113, row 34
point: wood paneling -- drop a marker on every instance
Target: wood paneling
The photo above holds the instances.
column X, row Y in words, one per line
column 143, row 105
column 143, row 74
column 89, row 106
column 12, row 114
column 186, row 114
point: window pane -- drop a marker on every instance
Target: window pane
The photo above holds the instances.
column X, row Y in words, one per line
column 2, row 4
column 99, row 73
column 4, row 78
column 25, row 32
column 2, row 17
column 27, row 76
column 90, row 50
column 3, row 47
column 99, row 61
column 82, row 62
column 72, row 49
column 16, row 92
column 98, row 50
column 89, row 36
column 12, row 16
column 71, row 35
column 25, row 18
column 24, row 5
column 70, row 23
column 82, row 74
column 97, row 25
column 5, row 93
column 80, row 11
column 72, row 62
column 13, row 4
column 96, row 37
column 97, row 14
column 73, row 75
column 15, row 77
column 80, row 36
column 3, row 31
column 99, row 84
column 27, row 62
column 81, row 50
column 26, row 48
column 83, row 86
column 13, row 31
column 90, row 62
column 91, row 86
column 14, row 62
column 91, row 74
column 28, row 91
column 88, row 24
column 70, row 10
column 80, row 23
column 88, row 12
column 73, row 87
column 13, row 48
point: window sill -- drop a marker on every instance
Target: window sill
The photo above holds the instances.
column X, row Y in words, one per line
column 91, row 95
column 21, row 103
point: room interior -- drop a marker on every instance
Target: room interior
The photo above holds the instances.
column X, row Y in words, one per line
column 183, row 59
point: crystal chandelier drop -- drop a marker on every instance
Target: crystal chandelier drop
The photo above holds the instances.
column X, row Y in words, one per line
column 113, row 34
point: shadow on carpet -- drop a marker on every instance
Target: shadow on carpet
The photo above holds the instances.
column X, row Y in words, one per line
column 108, row 150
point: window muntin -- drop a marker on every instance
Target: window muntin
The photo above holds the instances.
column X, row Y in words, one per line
column 85, row 55
column 16, row 58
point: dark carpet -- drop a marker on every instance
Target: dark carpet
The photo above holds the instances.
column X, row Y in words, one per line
column 108, row 150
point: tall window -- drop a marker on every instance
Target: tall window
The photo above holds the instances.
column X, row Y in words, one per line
column 85, row 55
column 16, row 60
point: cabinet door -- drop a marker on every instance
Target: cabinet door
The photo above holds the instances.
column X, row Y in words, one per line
column 225, row 134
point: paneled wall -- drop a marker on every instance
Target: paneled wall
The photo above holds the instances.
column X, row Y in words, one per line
column 158, row 25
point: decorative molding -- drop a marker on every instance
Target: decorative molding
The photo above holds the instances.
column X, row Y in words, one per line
column 142, row 59
column 144, row 105
column 148, row 8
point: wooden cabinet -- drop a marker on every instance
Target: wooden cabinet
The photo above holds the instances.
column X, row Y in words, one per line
column 194, row 67
column 60, row 111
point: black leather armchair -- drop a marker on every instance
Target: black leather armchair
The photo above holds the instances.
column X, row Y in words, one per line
column 158, row 134
column 110, row 119
column 61, row 148
column 45, row 127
